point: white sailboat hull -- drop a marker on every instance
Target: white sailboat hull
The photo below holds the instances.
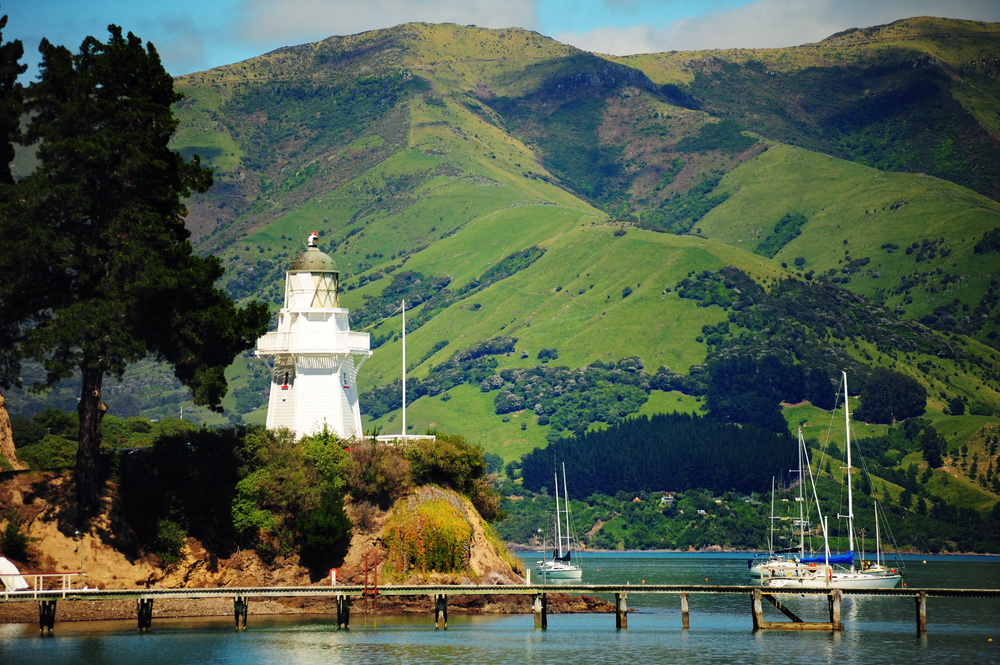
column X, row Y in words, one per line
column 824, row 577
column 558, row 571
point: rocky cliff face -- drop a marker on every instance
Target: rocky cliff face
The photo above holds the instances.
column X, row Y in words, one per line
column 8, row 456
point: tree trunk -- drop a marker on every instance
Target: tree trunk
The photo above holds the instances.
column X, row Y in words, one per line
column 7, row 451
column 91, row 410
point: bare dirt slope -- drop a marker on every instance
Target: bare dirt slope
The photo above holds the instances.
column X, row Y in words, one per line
column 45, row 501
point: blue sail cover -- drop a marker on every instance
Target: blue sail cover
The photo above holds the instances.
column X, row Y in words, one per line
column 846, row 559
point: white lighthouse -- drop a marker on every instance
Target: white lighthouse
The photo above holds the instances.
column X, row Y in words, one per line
column 313, row 356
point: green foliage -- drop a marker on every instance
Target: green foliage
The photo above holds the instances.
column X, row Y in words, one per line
column 547, row 354
column 875, row 110
column 932, row 444
column 494, row 463
column 408, row 285
column 470, row 365
column 957, row 406
column 14, row 541
column 726, row 136
column 447, row 460
column 990, row 242
column 290, row 490
column 980, row 409
column 52, row 452
column 787, row 229
column 26, row 431
column 124, row 282
column 680, row 451
column 811, row 323
column 186, row 479
column 379, row 473
column 432, row 536
column 681, row 212
column 169, row 541
column 11, row 100
column 745, row 390
column 888, row 396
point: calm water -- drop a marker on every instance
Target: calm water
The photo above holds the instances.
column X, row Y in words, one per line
column 878, row 630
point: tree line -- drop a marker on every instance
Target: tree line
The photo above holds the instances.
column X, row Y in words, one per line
column 671, row 452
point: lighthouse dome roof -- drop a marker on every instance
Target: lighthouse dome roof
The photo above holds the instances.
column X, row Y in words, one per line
column 313, row 260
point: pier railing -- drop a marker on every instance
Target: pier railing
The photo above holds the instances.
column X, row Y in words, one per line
column 343, row 595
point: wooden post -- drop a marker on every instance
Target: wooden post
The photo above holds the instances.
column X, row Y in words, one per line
column 441, row 611
column 46, row 615
column 835, row 598
column 921, row 599
column 343, row 611
column 541, row 606
column 240, row 605
column 757, row 610
column 144, row 610
column 621, row 611
column 685, row 619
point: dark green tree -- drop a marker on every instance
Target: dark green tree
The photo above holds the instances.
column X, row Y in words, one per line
column 957, row 406
column 890, row 396
column 11, row 100
column 116, row 278
column 932, row 443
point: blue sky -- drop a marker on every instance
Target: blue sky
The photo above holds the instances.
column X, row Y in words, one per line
column 194, row 35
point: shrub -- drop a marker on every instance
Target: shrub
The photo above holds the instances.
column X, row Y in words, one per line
column 980, row 409
column 379, row 473
column 292, row 491
column 957, row 406
column 170, row 540
column 14, row 542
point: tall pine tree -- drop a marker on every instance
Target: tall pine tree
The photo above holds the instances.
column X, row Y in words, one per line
column 116, row 278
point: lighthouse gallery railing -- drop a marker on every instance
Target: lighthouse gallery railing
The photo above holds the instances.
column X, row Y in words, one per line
column 314, row 342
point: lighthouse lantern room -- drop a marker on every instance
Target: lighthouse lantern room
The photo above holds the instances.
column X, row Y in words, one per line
column 313, row 356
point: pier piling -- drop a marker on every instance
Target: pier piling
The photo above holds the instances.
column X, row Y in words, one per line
column 621, row 611
column 921, row 601
column 343, row 612
column 46, row 615
column 240, row 605
column 144, row 610
column 541, row 606
column 757, row 610
column 835, row 598
column 441, row 611
column 685, row 618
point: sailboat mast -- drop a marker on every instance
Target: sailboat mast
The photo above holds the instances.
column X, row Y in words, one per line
column 404, row 369
column 558, row 525
column 878, row 542
column 850, row 483
column 802, row 500
column 569, row 545
column 770, row 537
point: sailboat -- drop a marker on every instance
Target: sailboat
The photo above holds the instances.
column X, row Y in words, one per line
column 561, row 566
column 776, row 558
column 834, row 571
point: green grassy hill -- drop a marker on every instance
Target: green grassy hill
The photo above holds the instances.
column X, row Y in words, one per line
column 427, row 156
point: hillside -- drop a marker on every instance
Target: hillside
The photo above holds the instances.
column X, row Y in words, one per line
column 540, row 208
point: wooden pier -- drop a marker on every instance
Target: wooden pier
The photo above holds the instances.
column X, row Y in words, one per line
column 242, row 596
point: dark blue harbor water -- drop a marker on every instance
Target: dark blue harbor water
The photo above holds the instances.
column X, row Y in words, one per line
column 877, row 630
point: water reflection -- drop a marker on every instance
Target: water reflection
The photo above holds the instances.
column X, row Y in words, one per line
column 877, row 629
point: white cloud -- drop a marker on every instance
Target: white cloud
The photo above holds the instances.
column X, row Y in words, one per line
column 275, row 22
column 770, row 24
